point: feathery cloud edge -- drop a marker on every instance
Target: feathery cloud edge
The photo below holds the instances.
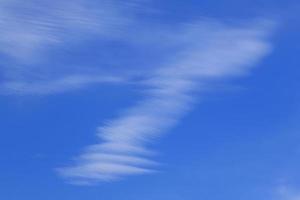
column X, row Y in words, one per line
column 170, row 90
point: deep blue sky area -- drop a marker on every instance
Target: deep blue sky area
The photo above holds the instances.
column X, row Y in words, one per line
column 238, row 140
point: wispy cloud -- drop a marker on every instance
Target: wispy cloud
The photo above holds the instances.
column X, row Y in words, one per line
column 194, row 55
column 287, row 192
column 67, row 83
column 28, row 30
column 28, row 27
column 208, row 52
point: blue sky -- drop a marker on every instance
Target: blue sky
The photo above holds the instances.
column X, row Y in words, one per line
column 147, row 99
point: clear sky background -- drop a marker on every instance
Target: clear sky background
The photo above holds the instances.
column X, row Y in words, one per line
column 149, row 100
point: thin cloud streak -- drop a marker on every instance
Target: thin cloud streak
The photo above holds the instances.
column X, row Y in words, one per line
column 210, row 52
column 28, row 27
column 67, row 83
column 29, row 30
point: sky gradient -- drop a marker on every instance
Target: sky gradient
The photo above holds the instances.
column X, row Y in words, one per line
column 146, row 99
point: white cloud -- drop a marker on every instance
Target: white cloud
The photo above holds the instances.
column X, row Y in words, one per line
column 287, row 192
column 197, row 54
column 208, row 53
column 27, row 27
column 67, row 83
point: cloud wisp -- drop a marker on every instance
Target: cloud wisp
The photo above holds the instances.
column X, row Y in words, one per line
column 26, row 28
column 30, row 30
column 287, row 192
column 60, row 85
column 208, row 52
column 193, row 55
